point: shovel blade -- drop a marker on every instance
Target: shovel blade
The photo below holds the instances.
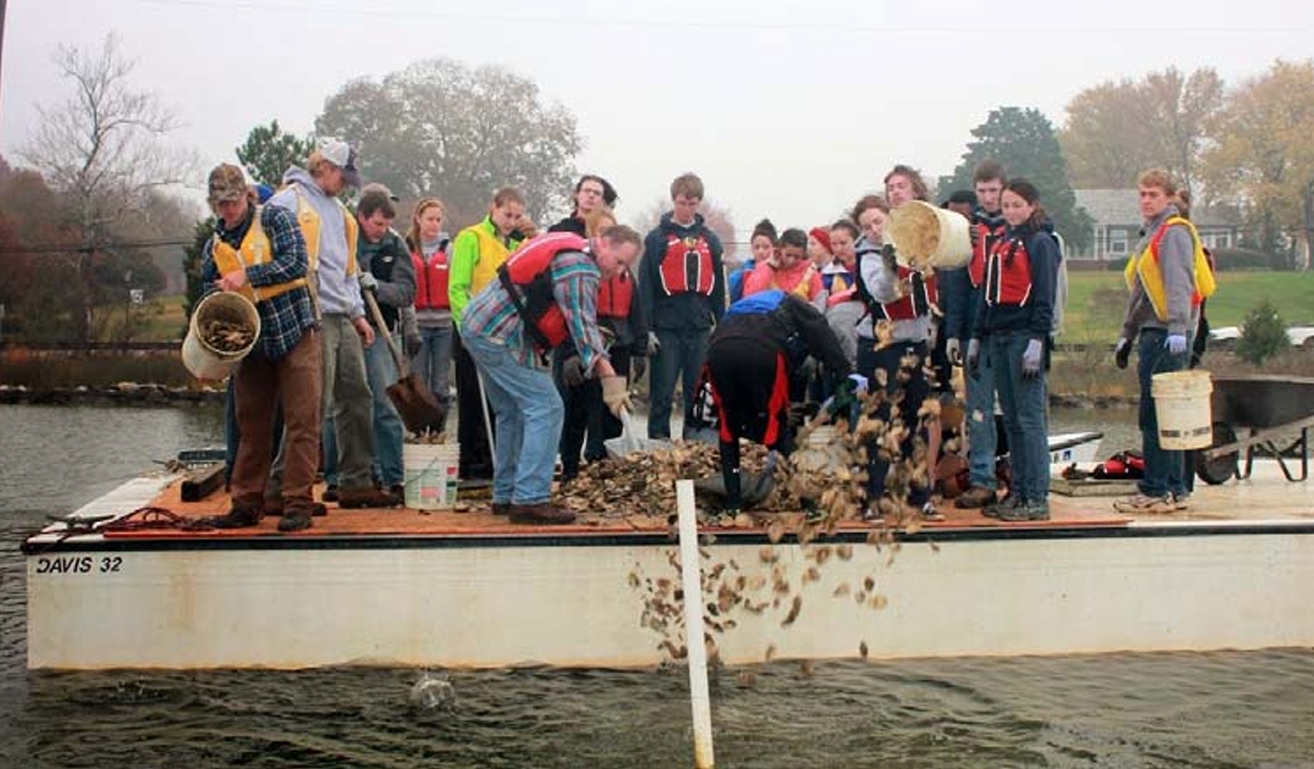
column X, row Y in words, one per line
column 416, row 406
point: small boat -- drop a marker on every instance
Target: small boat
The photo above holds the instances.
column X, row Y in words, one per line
column 1066, row 448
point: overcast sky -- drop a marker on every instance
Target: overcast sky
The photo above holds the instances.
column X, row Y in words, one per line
column 786, row 109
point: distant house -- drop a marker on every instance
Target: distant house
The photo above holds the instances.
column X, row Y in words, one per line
column 1118, row 222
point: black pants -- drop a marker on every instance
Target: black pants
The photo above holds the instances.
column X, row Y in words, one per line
column 471, row 432
column 585, row 413
column 914, row 393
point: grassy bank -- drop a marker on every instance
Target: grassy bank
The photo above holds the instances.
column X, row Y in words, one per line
column 60, row 369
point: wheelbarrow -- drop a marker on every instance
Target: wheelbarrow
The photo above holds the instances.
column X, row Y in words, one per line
column 1268, row 409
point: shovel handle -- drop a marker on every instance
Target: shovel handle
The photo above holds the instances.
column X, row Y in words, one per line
column 373, row 304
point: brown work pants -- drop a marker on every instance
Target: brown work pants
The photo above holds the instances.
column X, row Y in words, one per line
column 295, row 381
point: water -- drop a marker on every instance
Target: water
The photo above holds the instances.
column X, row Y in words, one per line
column 1226, row 709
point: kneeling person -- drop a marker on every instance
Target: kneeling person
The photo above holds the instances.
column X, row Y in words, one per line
column 755, row 352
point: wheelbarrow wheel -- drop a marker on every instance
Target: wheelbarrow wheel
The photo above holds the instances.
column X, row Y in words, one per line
column 1219, row 469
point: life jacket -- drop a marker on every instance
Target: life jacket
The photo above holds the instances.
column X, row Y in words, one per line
column 1145, row 266
column 254, row 249
column 757, row 304
column 687, row 265
column 915, row 303
column 527, row 278
column 492, row 253
column 1008, row 273
column 615, row 295
column 804, row 281
column 431, row 278
column 1124, row 464
column 988, row 230
column 308, row 219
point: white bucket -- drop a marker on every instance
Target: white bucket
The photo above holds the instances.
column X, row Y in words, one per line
column 203, row 360
column 1181, row 403
column 926, row 236
column 430, row 473
column 822, row 450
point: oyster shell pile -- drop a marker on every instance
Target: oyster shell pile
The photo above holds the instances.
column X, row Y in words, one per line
column 226, row 336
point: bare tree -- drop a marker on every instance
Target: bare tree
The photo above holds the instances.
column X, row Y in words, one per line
column 103, row 150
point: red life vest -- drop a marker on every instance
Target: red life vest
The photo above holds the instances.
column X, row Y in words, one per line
column 615, row 295
column 687, row 265
column 1008, row 273
column 431, row 281
column 527, row 277
column 915, row 303
column 986, row 238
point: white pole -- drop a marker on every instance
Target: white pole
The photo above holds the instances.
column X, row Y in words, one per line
column 691, row 571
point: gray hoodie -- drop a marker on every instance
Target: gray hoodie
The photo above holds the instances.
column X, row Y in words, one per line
column 339, row 293
column 1177, row 264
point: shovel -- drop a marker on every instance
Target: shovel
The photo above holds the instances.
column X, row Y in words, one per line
column 416, row 406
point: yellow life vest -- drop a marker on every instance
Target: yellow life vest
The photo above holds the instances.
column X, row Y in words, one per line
column 1145, row 266
column 255, row 249
column 308, row 220
column 492, row 253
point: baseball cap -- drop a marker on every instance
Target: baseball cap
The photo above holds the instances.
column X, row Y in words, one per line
column 342, row 155
column 227, row 183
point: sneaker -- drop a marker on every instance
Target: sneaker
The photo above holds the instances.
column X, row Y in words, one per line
column 1181, row 501
column 543, row 513
column 1007, row 503
column 366, row 497
column 1026, row 511
column 330, row 493
column 1145, row 505
column 295, row 520
column 929, row 513
column 976, row 497
column 240, row 517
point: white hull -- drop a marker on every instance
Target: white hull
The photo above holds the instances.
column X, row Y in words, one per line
column 491, row 603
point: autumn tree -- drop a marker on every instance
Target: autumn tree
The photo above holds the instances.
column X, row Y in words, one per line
column 441, row 128
column 1116, row 130
column 717, row 218
column 269, row 151
column 102, row 151
column 1025, row 142
column 1263, row 155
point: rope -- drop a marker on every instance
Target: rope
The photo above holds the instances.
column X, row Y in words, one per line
column 155, row 518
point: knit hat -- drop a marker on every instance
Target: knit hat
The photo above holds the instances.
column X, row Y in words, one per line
column 823, row 237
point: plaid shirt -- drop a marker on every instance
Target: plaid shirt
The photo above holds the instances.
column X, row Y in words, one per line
column 575, row 280
column 285, row 317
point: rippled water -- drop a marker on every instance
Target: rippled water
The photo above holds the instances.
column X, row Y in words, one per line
column 1227, row 709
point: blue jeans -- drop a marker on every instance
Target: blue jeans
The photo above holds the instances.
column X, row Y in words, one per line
column 682, row 352
column 1163, row 468
column 529, row 414
column 1025, row 407
column 434, row 363
column 981, row 423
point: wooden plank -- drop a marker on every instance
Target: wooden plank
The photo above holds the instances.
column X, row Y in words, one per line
column 202, row 482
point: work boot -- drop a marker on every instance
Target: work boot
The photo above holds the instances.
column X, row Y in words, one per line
column 243, row 514
column 543, row 513
column 976, row 497
column 295, row 520
column 330, row 493
column 366, row 497
column 1008, row 503
column 1029, row 510
column 501, row 508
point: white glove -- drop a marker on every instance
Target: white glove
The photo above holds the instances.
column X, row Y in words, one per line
column 859, row 384
column 653, row 343
column 368, row 282
column 953, row 349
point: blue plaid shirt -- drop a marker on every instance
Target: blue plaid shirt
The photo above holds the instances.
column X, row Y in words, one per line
column 575, row 278
column 283, row 318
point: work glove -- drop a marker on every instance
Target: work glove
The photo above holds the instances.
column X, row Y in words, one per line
column 1122, row 353
column 368, row 282
column 1176, row 344
column 616, row 394
column 572, row 371
column 1031, row 359
column 413, row 345
column 973, row 354
column 653, row 344
column 887, row 256
column 859, row 384
column 953, row 351
column 639, row 366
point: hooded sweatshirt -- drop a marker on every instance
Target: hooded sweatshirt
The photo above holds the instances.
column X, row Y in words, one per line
column 1035, row 319
column 688, row 311
column 883, row 285
column 339, row 293
column 1177, row 263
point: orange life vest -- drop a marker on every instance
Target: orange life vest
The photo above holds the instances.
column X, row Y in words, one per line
column 1008, row 273
column 987, row 235
column 527, row 277
column 431, row 281
column 913, row 304
column 615, row 295
column 687, row 265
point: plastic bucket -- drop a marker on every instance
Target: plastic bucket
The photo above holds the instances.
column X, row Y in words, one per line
column 1181, row 403
column 926, row 236
column 430, row 474
column 823, row 450
column 206, row 361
